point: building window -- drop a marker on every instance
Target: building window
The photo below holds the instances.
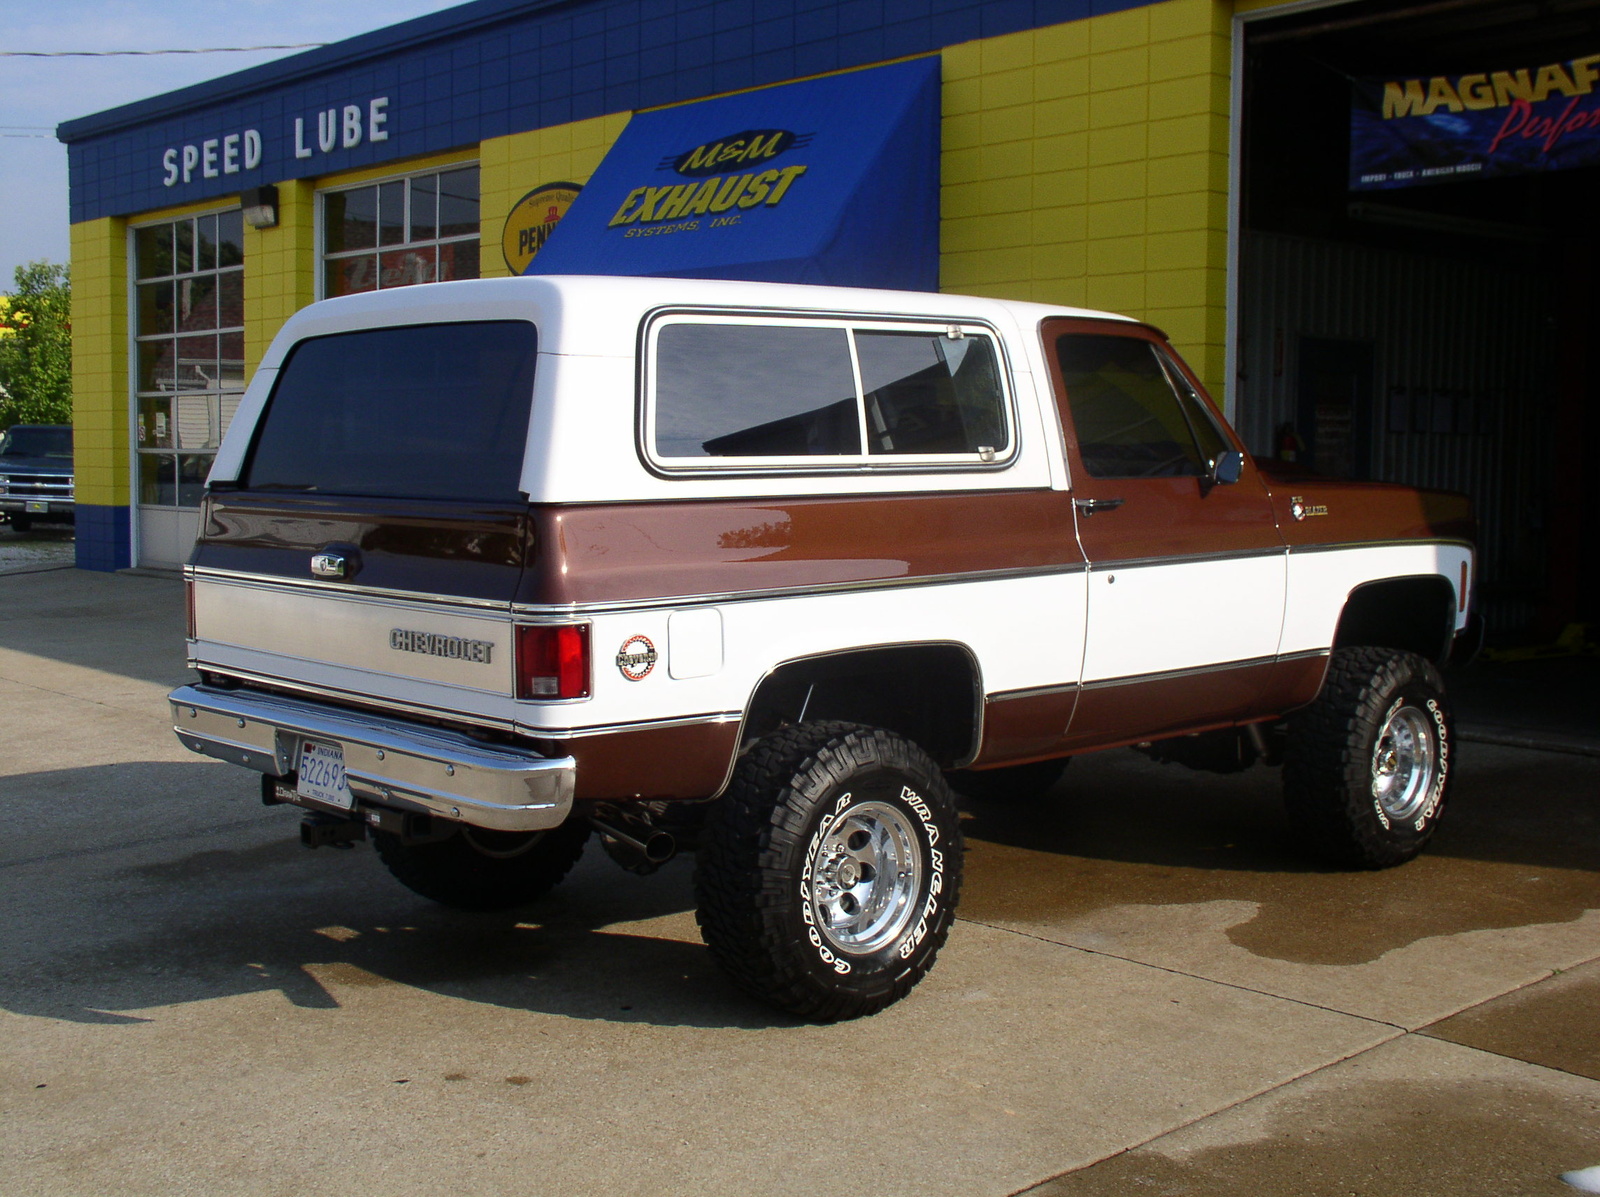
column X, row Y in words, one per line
column 422, row 229
column 188, row 350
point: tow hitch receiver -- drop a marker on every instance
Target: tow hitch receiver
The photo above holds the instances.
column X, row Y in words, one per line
column 317, row 829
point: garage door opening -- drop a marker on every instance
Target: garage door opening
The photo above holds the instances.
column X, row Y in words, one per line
column 1436, row 329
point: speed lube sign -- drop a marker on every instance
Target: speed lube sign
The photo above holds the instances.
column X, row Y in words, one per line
column 745, row 184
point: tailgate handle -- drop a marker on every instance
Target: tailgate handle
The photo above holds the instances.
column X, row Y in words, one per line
column 336, row 561
column 1090, row 506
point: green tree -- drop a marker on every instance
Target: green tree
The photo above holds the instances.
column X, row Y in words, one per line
column 36, row 347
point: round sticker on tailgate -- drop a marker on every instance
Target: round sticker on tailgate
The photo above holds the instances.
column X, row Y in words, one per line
column 636, row 658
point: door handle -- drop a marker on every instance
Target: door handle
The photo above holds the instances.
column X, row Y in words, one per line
column 1090, row 506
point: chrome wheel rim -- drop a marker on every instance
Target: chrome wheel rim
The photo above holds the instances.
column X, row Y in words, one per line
column 1403, row 763
column 866, row 872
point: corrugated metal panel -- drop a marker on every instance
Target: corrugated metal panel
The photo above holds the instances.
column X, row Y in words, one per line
column 1464, row 391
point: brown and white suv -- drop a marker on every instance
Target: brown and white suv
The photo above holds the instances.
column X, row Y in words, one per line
column 488, row 567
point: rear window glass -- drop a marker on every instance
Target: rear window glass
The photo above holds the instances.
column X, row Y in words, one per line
column 436, row 411
column 779, row 391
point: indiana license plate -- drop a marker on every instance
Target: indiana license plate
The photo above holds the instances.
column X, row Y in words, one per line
column 321, row 774
column 38, row 506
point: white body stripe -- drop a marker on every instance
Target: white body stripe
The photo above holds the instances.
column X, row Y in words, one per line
column 1321, row 580
column 1158, row 618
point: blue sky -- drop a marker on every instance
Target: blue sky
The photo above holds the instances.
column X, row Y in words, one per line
column 36, row 94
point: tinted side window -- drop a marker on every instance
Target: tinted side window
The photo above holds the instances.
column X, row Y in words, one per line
column 436, row 411
column 1128, row 419
column 930, row 393
column 747, row 390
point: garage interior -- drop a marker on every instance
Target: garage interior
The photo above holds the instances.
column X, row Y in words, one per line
column 1436, row 335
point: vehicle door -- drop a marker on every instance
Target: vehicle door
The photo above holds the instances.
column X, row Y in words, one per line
column 1186, row 571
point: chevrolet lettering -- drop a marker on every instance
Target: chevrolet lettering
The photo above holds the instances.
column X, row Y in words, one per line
column 783, row 573
column 435, row 645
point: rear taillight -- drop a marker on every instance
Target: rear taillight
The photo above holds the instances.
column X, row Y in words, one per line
column 553, row 660
column 188, row 606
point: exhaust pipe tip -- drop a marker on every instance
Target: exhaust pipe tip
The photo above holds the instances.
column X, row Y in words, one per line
column 637, row 855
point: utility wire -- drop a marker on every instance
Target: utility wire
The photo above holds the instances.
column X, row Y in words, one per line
column 117, row 53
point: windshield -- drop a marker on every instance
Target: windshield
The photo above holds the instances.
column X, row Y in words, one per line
column 37, row 441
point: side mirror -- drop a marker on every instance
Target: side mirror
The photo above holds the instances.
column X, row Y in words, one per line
column 1228, row 466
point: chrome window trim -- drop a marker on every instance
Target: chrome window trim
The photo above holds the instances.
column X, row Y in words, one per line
column 863, row 463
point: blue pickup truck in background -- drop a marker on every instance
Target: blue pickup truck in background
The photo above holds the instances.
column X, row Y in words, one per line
column 36, row 475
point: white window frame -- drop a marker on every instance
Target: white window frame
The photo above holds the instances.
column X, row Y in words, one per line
column 132, row 295
column 320, row 226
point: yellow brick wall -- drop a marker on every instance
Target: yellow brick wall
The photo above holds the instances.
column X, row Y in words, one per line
column 280, row 268
column 510, row 167
column 1087, row 164
column 100, row 360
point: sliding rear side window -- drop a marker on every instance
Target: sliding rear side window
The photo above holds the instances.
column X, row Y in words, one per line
column 780, row 394
column 436, row 411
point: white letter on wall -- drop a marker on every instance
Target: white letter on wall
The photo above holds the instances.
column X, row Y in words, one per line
column 169, row 163
column 376, row 118
column 208, row 158
column 230, row 154
column 352, row 126
column 191, row 159
column 301, row 150
column 327, row 130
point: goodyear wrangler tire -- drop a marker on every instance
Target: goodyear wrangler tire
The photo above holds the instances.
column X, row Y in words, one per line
column 1367, row 765
column 829, row 872
column 478, row 869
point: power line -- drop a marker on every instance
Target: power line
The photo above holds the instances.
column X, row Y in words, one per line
column 119, row 53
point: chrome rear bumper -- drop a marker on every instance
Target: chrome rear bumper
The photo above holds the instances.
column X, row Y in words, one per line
column 387, row 761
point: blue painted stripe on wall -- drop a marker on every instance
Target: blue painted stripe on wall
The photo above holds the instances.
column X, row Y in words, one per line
column 493, row 67
column 104, row 537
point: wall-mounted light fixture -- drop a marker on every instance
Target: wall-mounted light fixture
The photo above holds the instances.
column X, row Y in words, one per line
column 260, row 207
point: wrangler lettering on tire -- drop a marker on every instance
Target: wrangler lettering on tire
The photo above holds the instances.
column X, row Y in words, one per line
column 830, row 870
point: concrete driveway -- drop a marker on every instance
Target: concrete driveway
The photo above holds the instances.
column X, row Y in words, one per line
column 1147, row 992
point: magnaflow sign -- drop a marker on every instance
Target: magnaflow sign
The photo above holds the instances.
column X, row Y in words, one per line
column 833, row 180
column 1406, row 132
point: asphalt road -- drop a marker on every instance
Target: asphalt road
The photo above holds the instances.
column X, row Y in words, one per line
column 1147, row 993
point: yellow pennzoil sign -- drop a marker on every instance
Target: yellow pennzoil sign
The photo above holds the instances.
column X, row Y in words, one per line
column 531, row 220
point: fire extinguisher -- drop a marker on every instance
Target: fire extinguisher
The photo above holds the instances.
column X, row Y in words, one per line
column 1288, row 445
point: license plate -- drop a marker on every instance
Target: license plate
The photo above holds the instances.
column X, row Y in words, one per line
column 34, row 505
column 321, row 774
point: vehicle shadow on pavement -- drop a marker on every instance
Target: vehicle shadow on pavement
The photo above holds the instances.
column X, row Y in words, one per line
column 1520, row 846
column 132, row 627
column 101, row 931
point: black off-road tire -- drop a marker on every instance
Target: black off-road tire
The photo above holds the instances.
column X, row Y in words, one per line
column 1378, row 708
column 1014, row 783
column 813, row 812
column 477, row 869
